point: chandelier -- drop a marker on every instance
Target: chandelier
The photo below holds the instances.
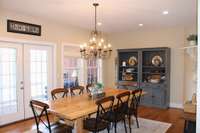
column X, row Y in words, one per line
column 97, row 47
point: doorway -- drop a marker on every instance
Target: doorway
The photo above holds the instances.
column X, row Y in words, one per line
column 26, row 72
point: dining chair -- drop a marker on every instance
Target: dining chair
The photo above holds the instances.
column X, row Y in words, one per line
column 42, row 113
column 133, row 108
column 80, row 90
column 118, row 112
column 99, row 124
column 55, row 92
column 87, row 87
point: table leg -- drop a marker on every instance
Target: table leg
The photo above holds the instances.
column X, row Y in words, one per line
column 79, row 126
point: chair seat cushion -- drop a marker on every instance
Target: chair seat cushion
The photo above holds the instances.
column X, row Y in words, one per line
column 113, row 116
column 131, row 111
column 90, row 123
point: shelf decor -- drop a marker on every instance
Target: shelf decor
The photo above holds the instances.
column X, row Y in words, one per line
column 23, row 28
column 192, row 39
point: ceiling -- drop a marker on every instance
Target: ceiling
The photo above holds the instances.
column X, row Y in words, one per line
column 115, row 15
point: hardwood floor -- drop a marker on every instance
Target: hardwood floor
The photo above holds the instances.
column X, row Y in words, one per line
column 172, row 116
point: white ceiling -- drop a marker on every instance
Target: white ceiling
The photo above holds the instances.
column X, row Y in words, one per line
column 115, row 15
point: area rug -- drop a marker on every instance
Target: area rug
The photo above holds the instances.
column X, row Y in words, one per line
column 146, row 126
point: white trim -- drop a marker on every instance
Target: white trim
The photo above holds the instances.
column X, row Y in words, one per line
column 62, row 59
column 70, row 44
column 176, row 105
column 14, row 40
column 24, row 41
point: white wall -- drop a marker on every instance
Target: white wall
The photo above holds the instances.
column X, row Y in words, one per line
column 169, row 37
column 198, row 75
column 53, row 32
column 190, row 71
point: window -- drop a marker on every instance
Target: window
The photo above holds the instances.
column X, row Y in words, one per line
column 94, row 70
column 72, row 71
column 8, row 81
column 78, row 71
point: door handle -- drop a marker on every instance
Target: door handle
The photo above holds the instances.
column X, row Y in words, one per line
column 22, row 85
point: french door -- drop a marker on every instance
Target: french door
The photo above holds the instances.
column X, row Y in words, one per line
column 37, row 74
column 26, row 72
column 11, row 91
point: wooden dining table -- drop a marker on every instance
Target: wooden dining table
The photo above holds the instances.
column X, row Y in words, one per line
column 74, row 109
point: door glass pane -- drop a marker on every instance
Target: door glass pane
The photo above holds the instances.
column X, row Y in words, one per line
column 92, row 69
column 38, row 74
column 8, row 90
column 72, row 71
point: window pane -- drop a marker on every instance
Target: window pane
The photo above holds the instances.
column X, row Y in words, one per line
column 72, row 71
column 92, row 71
column 39, row 74
column 8, row 90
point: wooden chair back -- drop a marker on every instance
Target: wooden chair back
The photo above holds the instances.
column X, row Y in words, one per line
column 56, row 91
column 87, row 87
column 38, row 116
column 135, row 100
column 80, row 90
column 123, row 102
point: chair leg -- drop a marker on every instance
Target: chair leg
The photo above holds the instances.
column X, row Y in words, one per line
column 108, row 129
column 129, row 121
column 115, row 124
column 137, row 121
column 125, row 125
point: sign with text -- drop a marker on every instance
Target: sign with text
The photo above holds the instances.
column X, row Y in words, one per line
column 23, row 28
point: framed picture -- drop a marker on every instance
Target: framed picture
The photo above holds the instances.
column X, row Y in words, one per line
column 23, row 28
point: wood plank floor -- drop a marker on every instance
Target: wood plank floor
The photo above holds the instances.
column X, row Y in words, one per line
column 170, row 115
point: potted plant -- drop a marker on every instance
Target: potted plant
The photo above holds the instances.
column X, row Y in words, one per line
column 99, row 87
column 192, row 39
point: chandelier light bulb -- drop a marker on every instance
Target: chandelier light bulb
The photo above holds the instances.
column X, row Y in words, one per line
column 105, row 47
column 81, row 46
column 109, row 45
column 100, row 44
column 85, row 45
column 93, row 39
column 102, row 40
column 92, row 47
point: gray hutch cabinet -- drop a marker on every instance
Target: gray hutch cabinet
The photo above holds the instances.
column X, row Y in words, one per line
column 148, row 69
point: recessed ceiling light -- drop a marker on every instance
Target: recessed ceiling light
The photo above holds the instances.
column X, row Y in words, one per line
column 165, row 12
column 99, row 23
column 140, row 25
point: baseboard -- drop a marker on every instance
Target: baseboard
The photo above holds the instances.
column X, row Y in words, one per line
column 176, row 105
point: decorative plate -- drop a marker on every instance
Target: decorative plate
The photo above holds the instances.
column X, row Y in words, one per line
column 157, row 60
column 132, row 61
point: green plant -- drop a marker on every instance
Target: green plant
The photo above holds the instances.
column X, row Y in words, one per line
column 99, row 85
column 192, row 37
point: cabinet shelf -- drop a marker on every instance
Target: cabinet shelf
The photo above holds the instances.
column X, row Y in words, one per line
column 130, row 72
column 163, row 67
column 128, row 66
column 153, row 73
